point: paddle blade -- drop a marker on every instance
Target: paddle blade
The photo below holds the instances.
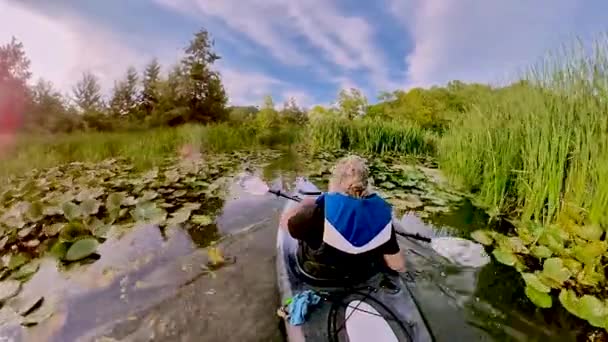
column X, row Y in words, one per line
column 255, row 186
column 461, row 251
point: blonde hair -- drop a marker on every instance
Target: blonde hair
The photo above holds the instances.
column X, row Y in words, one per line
column 350, row 176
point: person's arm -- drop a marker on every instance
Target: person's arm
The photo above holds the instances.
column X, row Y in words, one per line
column 302, row 207
column 393, row 255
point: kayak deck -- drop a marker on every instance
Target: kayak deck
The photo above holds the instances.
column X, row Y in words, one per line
column 378, row 309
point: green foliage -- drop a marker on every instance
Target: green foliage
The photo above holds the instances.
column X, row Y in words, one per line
column 351, row 104
column 367, row 136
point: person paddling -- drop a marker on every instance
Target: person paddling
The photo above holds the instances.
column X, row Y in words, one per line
column 348, row 231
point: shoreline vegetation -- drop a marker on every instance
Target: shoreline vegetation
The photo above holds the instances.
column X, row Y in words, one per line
column 534, row 152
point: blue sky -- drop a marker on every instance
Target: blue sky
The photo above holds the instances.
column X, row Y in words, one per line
column 307, row 49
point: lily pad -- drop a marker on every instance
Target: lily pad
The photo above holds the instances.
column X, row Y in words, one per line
column 387, row 185
column 9, row 288
column 148, row 212
column 17, row 260
column 532, row 281
column 179, row 217
column 81, row 249
column 180, row 193
column 72, row 231
column 590, row 252
column 541, row 252
column 553, row 268
column 89, row 207
column 483, row 236
column 25, row 272
column 505, row 256
column 71, row 211
column 202, row 220
column 59, row 250
column 589, row 232
column 35, row 212
column 540, row 299
column 52, row 229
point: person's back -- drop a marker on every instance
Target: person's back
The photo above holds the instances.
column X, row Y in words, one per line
column 347, row 230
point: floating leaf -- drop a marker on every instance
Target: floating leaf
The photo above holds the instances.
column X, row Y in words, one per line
column 515, row 244
column 180, row 193
column 53, row 229
column 35, row 212
column 387, row 185
column 148, row 196
column 72, row 231
column 59, row 250
column 192, row 206
column 589, row 275
column 17, row 260
column 540, row 299
column 589, row 232
column 483, row 237
column 87, row 194
column 8, row 289
column 573, row 265
column 14, row 222
column 504, row 256
column 532, row 281
column 179, row 217
column 541, row 252
column 81, row 249
column 202, row 220
column 99, row 228
column 26, row 271
column 569, row 300
column 588, row 253
column 553, row 238
column 89, row 207
column 149, row 213
column 554, row 269
column 71, row 211
column 114, row 201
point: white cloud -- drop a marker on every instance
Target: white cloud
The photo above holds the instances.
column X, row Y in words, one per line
column 62, row 48
column 345, row 41
column 475, row 40
column 246, row 87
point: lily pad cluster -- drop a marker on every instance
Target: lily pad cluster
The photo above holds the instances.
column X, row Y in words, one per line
column 404, row 182
column 67, row 211
column 564, row 261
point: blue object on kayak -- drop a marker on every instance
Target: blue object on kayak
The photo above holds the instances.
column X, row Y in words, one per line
column 298, row 307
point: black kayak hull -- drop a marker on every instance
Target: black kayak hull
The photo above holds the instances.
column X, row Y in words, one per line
column 381, row 313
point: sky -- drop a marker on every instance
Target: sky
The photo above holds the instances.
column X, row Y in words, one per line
column 305, row 49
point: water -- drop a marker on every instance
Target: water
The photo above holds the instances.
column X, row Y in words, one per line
column 477, row 304
column 145, row 266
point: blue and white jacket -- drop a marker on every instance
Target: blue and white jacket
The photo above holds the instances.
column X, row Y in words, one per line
column 355, row 225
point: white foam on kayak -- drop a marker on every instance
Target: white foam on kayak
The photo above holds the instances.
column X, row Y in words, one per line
column 365, row 324
column 461, row 251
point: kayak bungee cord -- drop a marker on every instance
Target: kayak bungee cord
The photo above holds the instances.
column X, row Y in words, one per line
column 333, row 331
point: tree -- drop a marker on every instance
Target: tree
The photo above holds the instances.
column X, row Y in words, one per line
column 318, row 113
column 48, row 111
column 87, row 94
column 206, row 96
column 292, row 113
column 150, row 92
column 267, row 118
column 352, row 103
column 124, row 102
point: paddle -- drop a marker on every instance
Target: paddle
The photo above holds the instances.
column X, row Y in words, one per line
column 465, row 252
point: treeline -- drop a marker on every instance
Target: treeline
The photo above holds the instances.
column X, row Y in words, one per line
column 192, row 92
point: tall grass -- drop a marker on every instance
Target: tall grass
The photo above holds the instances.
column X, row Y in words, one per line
column 143, row 148
column 540, row 148
column 369, row 136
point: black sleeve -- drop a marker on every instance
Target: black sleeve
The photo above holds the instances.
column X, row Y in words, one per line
column 391, row 246
column 304, row 225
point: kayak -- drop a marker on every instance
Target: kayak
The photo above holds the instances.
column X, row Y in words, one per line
column 379, row 308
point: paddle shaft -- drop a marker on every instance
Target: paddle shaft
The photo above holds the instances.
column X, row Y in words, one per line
column 408, row 235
